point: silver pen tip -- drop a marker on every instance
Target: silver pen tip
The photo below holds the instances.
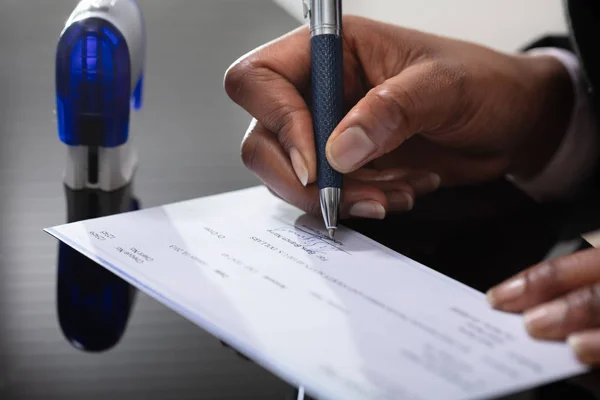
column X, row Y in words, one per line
column 331, row 232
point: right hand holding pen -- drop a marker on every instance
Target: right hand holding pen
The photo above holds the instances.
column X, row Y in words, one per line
column 422, row 110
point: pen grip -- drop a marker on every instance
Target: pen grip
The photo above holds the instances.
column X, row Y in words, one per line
column 327, row 101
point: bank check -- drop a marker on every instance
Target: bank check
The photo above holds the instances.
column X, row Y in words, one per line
column 344, row 318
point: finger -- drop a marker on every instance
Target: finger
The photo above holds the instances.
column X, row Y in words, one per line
column 586, row 346
column 268, row 84
column 423, row 183
column 454, row 167
column 546, row 281
column 375, row 175
column 400, row 200
column 400, row 194
column 422, row 97
column 574, row 312
column 415, row 183
column 264, row 155
column 400, row 186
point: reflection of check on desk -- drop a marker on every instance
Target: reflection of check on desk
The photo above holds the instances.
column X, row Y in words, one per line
column 346, row 319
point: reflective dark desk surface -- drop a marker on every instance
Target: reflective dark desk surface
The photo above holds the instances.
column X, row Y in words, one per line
column 188, row 137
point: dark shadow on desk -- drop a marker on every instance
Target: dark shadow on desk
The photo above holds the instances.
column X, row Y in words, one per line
column 93, row 304
column 478, row 235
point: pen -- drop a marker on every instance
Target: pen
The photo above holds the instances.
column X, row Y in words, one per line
column 325, row 18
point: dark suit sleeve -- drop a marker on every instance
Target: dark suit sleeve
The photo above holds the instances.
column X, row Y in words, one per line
column 581, row 214
column 561, row 42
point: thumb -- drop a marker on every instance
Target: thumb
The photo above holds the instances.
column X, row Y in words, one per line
column 421, row 98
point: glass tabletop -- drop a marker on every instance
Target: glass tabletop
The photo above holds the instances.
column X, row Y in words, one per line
column 69, row 328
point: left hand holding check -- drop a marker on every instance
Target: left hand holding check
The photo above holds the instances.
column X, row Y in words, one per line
column 561, row 300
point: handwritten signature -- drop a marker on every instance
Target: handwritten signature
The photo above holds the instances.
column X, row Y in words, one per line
column 309, row 242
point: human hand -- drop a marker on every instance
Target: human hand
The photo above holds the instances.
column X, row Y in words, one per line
column 422, row 109
column 561, row 300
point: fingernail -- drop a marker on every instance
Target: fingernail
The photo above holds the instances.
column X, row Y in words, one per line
column 506, row 292
column 386, row 176
column 350, row 148
column 368, row 209
column 299, row 166
column 400, row 200
column 426, row 183
column 585, row 345
column 546, row 318
column 576, row 342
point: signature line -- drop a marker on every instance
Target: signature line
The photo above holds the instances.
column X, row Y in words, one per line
column 313, row 235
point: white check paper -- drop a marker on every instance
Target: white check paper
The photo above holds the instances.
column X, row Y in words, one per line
column 345, row 319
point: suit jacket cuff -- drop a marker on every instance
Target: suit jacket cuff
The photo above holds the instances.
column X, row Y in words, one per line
column 577, row 155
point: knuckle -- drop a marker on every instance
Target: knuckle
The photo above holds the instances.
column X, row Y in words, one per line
column 542, row 281
column 581, row 308
column 281, row 120
column 237, row 77
column 584, row 307
column 396, row 104
column 596, row 292
column 580, row 300
column 250, row 151
column 595, row 303
column 234, row 78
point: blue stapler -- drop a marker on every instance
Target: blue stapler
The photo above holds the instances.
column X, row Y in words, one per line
column 99, row 77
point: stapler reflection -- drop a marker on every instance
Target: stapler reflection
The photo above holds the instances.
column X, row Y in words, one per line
column 99, row 76
column 94, row 305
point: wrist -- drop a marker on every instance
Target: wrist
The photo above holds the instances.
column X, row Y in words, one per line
column 552, row 95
